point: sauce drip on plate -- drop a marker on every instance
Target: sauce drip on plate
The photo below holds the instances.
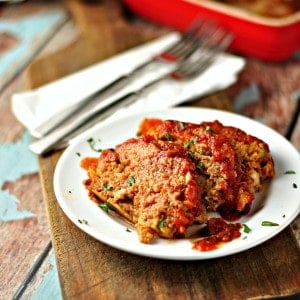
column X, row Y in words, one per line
column 217, row 233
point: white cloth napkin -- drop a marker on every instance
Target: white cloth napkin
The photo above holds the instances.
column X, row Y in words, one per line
column 33, row 108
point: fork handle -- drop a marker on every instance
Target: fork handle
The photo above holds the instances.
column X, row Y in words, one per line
column 75, row 125
column 111, row 88
column 57, row 119
column 81, row 120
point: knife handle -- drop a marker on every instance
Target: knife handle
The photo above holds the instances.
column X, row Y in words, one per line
column 60, row 136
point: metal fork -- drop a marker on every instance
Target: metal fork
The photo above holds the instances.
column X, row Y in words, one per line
column 177, row 52
column 192, row 66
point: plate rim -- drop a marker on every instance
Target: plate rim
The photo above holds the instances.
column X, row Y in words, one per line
column 177, row 110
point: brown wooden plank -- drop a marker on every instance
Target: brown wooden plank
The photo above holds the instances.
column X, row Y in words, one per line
column 89, row 269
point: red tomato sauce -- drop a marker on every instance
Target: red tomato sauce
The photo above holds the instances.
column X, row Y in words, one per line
column 219, row 232
column 89, row 162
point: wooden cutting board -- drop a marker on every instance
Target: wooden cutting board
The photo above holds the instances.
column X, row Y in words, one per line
column 89, row 269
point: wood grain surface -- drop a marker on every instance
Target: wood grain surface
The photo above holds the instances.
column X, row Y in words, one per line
column 24, row 228
column 89, row 269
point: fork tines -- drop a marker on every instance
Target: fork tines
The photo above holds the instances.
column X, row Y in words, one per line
column 212, row 40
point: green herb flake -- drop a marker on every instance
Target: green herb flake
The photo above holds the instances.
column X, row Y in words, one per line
column 161, row 223
column 131, row 181
column 128, row 230
column 187, row 144
column 208, row 128
column 262, row 152
column 168, row 136
column 200, row 165
column 83, row 221
column 106, row 207
column 247, row 229
column 78, row 154
column 190, row 142
column 191, row 155
column 92, row 144
column 295, row 185
column 290, row 172
column 107, row 187
column 269, row 223
column 181, row 125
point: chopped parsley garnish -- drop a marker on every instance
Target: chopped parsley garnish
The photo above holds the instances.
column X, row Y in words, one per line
column 92, row 144
column 131, row 181
column 191, row 154
column 106, row 207
column 78, row 154
column 247, row 229
column 128, row 230
column 161, row 223
column 190, row 142
column 269, row 223
column 290, row 172
column 107, row 187
column 168, row 136
column 199, row 165
column 181, row 125
column 83, row 221
column 262, row 152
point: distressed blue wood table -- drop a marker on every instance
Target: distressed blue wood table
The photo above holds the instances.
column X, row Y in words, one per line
column 38, row 243
column 28, row 266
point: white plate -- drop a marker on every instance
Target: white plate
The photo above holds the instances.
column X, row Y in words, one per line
column 281, row 204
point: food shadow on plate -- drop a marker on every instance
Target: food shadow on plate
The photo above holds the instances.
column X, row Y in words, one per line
column 260, row 199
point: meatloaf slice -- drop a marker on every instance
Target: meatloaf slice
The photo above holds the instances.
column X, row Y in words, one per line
column 154, row 184
column 232, row 165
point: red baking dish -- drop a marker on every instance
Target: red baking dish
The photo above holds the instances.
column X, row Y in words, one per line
column 270, row 39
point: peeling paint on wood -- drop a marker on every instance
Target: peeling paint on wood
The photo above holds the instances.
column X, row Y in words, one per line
column 23, row 38
column 25, row 29
column 16, row 161
column 50, row 279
